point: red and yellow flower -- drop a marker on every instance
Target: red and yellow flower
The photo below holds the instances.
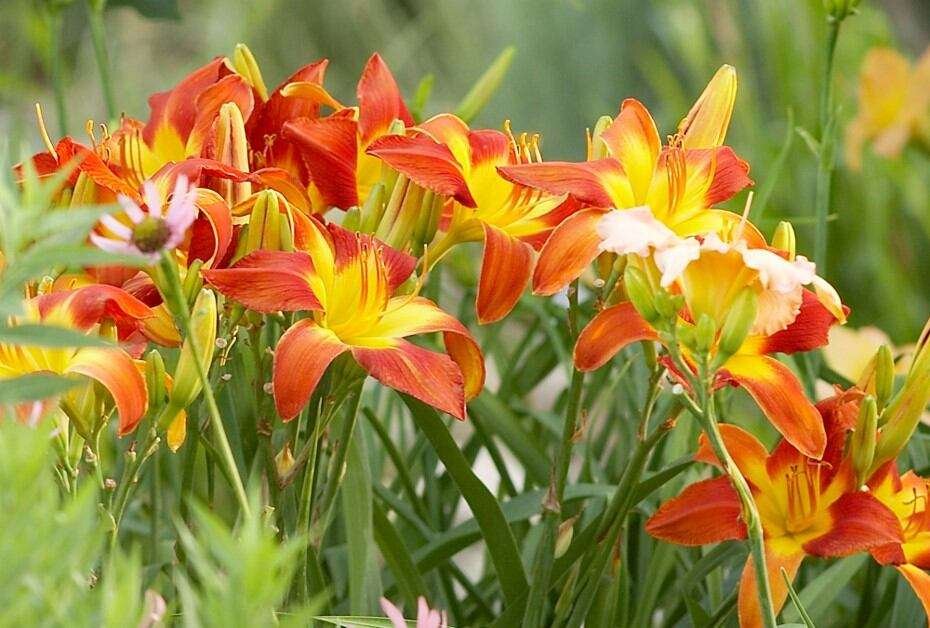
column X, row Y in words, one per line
column 679, row 182
column 348, row 283
column 85, row 310
column 445, row 156
column 808, row 507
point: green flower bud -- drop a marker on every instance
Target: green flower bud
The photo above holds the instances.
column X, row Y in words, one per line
column 784, row 238
column 155, row 378
column 193, row 281
column 640, row 293
column 862, row 445
column 705, row 333
column 246, row 66
column 736, row 326
column 668, row 305
column 884, row 376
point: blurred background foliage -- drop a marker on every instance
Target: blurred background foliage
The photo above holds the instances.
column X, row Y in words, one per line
column 576, row 60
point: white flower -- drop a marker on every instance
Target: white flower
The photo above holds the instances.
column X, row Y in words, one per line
column 154, row 231
column 426, row 617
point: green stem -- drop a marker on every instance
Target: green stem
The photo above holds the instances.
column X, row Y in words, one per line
column 52, row 19
column 753, row 521
column 826, row 157
column 98, row 36
column 552, row 506
column 129, row 480
column 216, row 421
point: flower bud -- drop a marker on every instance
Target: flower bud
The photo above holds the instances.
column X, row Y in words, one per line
column 737, row 324
column 187, row 385
column 155, row 378
column 705, row 333
column 862, row 445
column 231, row 147
column 193, row 281
column 284, row 461
column 564, row 537
column 884, row 376
column 597, row 149
column 901, row 416
column 269, row 227
column 668, row 305
column 640, row 293
column 784, row 239
column 247, row 67
column 840, row 9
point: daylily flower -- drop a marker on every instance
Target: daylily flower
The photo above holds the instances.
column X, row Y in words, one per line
column 347, row 281
column 906, row 496
column 426, row 617
column 808, row 508
column 445, row 156
column 894, row 104
column 679, row 182
column 710, row 273
column 333, row 149
column 83, row 310
column 154, row 231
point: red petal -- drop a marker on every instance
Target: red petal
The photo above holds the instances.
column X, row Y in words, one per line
column 808, row 331
column 505, row 271
column 598, row 183
column 212, row 232
column 708, row 511
column 780, row 396
column 608, row 332
column 230, row 89
column 747, row 452
column 270, row 116
column 329, row 148
column 488, row 146
column 300, row 359
column 379, row 100
column 860, row 522
column 268, row 281
column 91, row 304
column 433, row 378
column 568, row 251
column 87, row 161
column 750, row 615
column 731, row 175
column 425, row 162
column 114, row 369
column 633, row 139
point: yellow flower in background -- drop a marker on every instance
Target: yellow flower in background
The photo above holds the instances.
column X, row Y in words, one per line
column 894, row 104
column 850, row 351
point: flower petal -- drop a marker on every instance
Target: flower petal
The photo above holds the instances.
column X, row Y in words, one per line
column 609, row 331
column 747, row 452
column 379, row 100
column 347, row 248
column 809, row 330
column 229, row 89
column 858, row 522
column 779, row 395
column 116, row 371
column 505, row 271
column 600, row 183
column 329, row 148
column 708, row 511
column 920, row 583
column 706, row 124
column 268, row 281
column 427, row 163
column 633, row 139
column 433, row 378
column 572, row 246
column 300, row 359
column 789, row 558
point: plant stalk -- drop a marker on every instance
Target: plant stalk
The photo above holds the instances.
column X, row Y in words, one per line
column 98, row 35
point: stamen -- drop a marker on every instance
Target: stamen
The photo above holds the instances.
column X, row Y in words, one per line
column 89, row 129
column 43, row 131
column 738, row 234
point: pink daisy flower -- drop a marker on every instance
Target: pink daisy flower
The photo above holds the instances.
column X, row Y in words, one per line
column 154, row 231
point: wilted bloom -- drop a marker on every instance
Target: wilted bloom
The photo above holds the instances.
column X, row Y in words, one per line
column 808, row 507
column 445, row 156
column 679, row 182
column 894, row 104
column 154, row 230
column 347, row 281
column 426, row 617
column 711, row 274
column 83, row 310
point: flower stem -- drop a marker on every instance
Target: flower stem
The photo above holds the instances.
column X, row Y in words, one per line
column 216, row 421
column 98, row 36
column 826, row 160
column 552, row 506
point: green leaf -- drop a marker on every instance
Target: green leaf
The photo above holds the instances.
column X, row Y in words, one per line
column 798, row 605
column 153, row 9
column 33, row 387
column 347, row 621
column 497, row 534
column 49, row 336
column 820, row 593
column 656, row 481
column 398, row 557
column 499, row 420
column 481, row 92
column 357, row 518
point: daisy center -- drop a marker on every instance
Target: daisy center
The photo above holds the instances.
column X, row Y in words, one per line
column 151, row 234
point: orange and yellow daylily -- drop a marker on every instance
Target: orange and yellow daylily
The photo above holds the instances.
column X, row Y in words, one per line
column 679, row 182
column 894, row 104
column 709, row 274
column 808, row 507
column 333, row 149
column 347, row 282
column 445, row 156
column 83, row 310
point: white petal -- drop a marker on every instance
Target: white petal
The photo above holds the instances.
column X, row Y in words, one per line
column 132, row 209
column 152, row 198
column 119, row 229
column 634, row 230
column 673, row 260
column 110, row 245
column 778, row 274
